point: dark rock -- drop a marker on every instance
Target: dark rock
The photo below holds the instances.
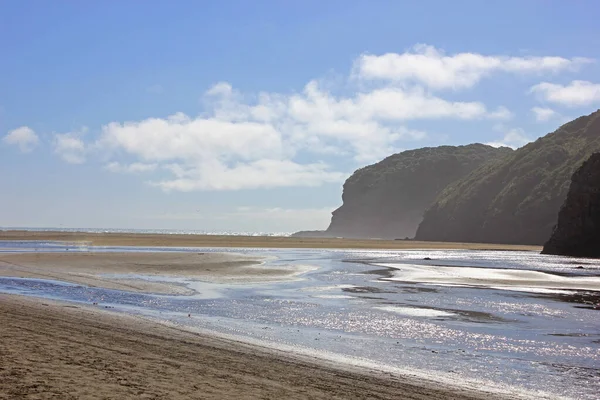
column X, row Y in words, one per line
column 578, row 230
column 387, row 199
column 515, row 199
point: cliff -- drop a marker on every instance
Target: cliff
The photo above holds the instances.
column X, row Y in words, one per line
column 578, row 229
column 514, row 200
column 387, row 199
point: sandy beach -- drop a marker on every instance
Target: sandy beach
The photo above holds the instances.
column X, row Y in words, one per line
column 60, row 350
column 182, row 240
column 119, row 270
column 54, row 350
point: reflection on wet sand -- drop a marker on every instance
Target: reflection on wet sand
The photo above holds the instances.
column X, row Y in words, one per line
column 491, row 277
column 460, row 332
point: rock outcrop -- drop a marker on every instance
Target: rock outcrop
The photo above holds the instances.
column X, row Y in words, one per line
column 578, row 230
column 387, row 199
column 515, row 199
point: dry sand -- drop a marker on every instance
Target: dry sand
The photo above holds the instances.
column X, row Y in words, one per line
column 131, row 239
column 95, row 269
column 50, row 350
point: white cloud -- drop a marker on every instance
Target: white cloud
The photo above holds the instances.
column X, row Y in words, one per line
column 371, row 122
column 243, row 144
column 393, row 104
column 220, row 89
column 24, row 137
column 265, row 173
column 134, row 168
column 501, row 113
column 577, row 93
column 181, row 137
column 514, row 139
column 427, row 65
column 70, row 147
column 543, row 114
column 277, row 140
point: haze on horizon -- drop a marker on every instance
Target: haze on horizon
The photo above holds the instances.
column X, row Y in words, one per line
column 249, row 117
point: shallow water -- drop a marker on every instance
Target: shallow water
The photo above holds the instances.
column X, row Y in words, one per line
column 519, row 321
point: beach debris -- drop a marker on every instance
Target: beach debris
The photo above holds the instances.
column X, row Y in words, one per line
column 427, row 258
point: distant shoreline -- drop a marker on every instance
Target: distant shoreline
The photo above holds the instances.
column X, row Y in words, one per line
column 143, row 231
column 240, row 241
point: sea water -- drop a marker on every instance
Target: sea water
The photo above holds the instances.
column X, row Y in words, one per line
column 512, row 321
column 147, row 231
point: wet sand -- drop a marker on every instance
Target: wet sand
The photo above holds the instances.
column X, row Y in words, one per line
column 58, row 350
column 55, row 350
column 177, row 240
column 95, row 269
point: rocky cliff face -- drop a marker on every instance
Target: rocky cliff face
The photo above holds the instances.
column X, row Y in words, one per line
column 514, row 200
column 387, row 199
column 578, row 229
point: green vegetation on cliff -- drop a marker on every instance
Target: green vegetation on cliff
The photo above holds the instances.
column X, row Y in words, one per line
column 515, row 199
column 387, row 199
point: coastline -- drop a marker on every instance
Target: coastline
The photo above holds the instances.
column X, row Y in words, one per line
column 77, row 351
column 229, row 241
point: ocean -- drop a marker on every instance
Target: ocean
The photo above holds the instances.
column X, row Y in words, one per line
column 152, row 231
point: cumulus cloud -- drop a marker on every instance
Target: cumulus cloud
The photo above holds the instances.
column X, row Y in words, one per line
column 240, row 144
column 427, row 65
column 268, row 140
column 501, row 113
column 514, row 139
column 264, row 173
column 70, row 147
column 24, row 138
column 543, row 114
column 391, row 104
column 577, row 93
column 182, row 137
column 221, row 89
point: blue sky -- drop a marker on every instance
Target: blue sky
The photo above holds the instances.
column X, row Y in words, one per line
column 248, row 116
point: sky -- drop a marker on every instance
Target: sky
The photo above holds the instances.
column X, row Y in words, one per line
column 249, row 116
